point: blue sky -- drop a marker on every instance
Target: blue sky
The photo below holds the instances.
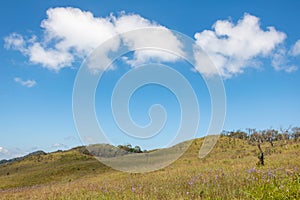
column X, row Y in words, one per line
column 40, row 60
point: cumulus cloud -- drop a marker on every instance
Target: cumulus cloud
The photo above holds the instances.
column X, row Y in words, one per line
column 3, row 150
column 160, row 39
column 50, row 58
column 15, row 41
column 71, row 33
column 76, row 31
column 27, row 83
column 233, row 47
column 5, row 153
column 11, row 153
column 59, row 145
column 281, row 62
column 295, row 50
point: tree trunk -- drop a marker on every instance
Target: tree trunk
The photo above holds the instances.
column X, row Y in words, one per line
column 261, row 157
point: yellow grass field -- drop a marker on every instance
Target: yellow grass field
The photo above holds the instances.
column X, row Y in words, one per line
column 230, row 171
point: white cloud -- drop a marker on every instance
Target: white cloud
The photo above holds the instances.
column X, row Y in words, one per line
column 162, row 38
column 15, row 41
column 71, row 33
column 280, row 61
column 11, row 153
column 27, row 83
column 3, row 150
column 233, row 47
column 71, row 138
column 59, row 145
column 295, row 50
column 74, row 28
column 50, row 58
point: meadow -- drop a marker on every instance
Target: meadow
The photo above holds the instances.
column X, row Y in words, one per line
column 230, row 171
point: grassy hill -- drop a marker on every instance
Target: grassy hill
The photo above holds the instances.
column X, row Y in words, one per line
column 230, row 171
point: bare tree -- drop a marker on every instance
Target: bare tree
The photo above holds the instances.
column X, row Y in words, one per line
column 257, row 139
column 250, row 131
column 238, row 134
column 296, row 133
column 270, row 135
column 285, row 134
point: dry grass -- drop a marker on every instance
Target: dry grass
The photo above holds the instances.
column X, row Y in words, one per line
column 228, row 172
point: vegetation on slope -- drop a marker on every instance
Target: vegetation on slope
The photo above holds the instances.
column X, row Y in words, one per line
column 230, row 171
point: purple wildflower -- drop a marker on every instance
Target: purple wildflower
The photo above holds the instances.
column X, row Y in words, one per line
column 252, row 170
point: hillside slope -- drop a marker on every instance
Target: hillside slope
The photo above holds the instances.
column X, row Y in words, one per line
column 228, row 172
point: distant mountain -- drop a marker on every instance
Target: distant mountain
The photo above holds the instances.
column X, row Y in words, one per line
column 99, row 150
column 36, row 153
